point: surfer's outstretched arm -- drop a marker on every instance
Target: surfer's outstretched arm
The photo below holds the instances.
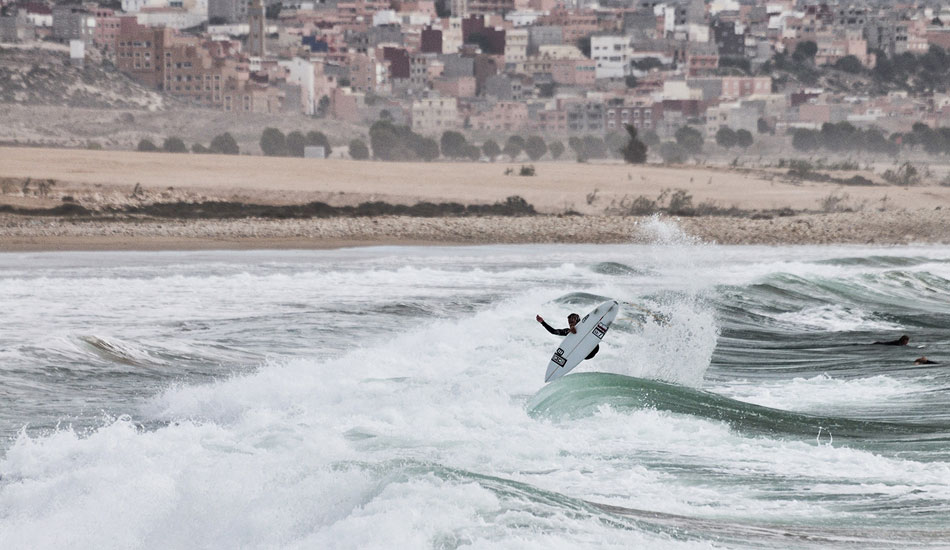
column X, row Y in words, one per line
column 552, row 330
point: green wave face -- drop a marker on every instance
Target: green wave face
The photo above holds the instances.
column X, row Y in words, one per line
column 583, row 394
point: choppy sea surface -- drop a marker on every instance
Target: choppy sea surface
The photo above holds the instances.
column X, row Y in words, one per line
column 394, row 398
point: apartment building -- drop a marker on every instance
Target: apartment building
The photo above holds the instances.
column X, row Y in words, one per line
column 434, row 115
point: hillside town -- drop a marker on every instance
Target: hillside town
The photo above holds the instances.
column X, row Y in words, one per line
column 555, row 68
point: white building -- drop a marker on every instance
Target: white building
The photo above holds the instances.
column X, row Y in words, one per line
column 452, row 36
column 516, row 47
column 301, row 72
column 523, row 18
column 171, row 18
column 612, row 55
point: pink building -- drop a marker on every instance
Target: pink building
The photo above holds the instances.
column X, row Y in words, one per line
column 504, row 116
column 834, row 46
column 741, row 86
column 348, row 105
column 574, row 72
column 644, row 116
column 552, row 121
column 816, row 114
column 107, row 29
column 463, row 86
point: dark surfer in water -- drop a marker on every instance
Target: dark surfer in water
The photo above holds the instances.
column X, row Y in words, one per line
column 902, row 341
column 572, row 321
column 922, row 360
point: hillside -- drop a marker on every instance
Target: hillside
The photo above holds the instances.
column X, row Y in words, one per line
column 43, row 75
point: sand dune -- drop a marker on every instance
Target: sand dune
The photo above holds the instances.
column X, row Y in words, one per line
column 558, row 186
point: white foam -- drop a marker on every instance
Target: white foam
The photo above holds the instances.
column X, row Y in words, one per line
column 835, row 318
column 821, row 392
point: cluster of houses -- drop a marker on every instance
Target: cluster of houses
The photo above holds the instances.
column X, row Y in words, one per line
column 556, row 67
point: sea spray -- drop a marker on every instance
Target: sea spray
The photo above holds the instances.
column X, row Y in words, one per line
column 677, row 344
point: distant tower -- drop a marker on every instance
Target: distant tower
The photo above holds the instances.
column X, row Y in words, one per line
column 255, row 37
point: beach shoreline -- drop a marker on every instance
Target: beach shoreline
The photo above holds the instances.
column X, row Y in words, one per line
column 29, row 233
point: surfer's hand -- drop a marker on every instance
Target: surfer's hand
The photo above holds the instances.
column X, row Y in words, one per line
column 539, row 319
column 573, row 330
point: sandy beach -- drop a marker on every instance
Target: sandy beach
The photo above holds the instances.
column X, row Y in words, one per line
column 596, row 195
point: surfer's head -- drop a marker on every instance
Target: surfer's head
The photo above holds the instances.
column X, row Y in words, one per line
column 904, row 339
column 573, row 319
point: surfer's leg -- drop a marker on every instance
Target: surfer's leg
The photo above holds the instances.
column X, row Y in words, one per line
column 593, row 352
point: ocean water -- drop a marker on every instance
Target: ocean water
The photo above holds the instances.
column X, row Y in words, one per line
column 394, row 398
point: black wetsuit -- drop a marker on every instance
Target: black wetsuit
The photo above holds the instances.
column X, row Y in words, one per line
column 565, row 332
column 898, row 342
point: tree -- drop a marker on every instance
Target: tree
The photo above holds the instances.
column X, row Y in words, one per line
column 491, row 149
column 615, row 142
column 726, row 137
column 577, row 145
column 556, row 148
column 146, row 146
column 388, row 141
column 583, row 44
column 273, row 142
column 647, row 63
column 743, row 138
column 473, row 152
column 443, row 9
column 805, row 50
column 358, row 150
column 635, row 151
column 849, row 64
column 806, row 140
column 174, row 145
column 427, row 149
column 224, row 144
column 484, row 43
column 319, row 139
column 690, row 139
column 323, row 105
column 594, row 147
column 630, row 81
column 740, row 63
column 546, row 89
column 295, row 143
column 672, row 152
column 651, row 138
column 762, row 126
column 514, row 146
column 535, row 147
column 454, row 144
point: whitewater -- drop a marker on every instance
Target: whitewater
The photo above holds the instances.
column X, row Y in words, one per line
column 393, row 397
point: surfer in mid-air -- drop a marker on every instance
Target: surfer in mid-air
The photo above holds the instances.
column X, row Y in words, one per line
column 572, row 321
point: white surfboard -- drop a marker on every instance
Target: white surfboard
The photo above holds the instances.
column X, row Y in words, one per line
column 575, row 347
